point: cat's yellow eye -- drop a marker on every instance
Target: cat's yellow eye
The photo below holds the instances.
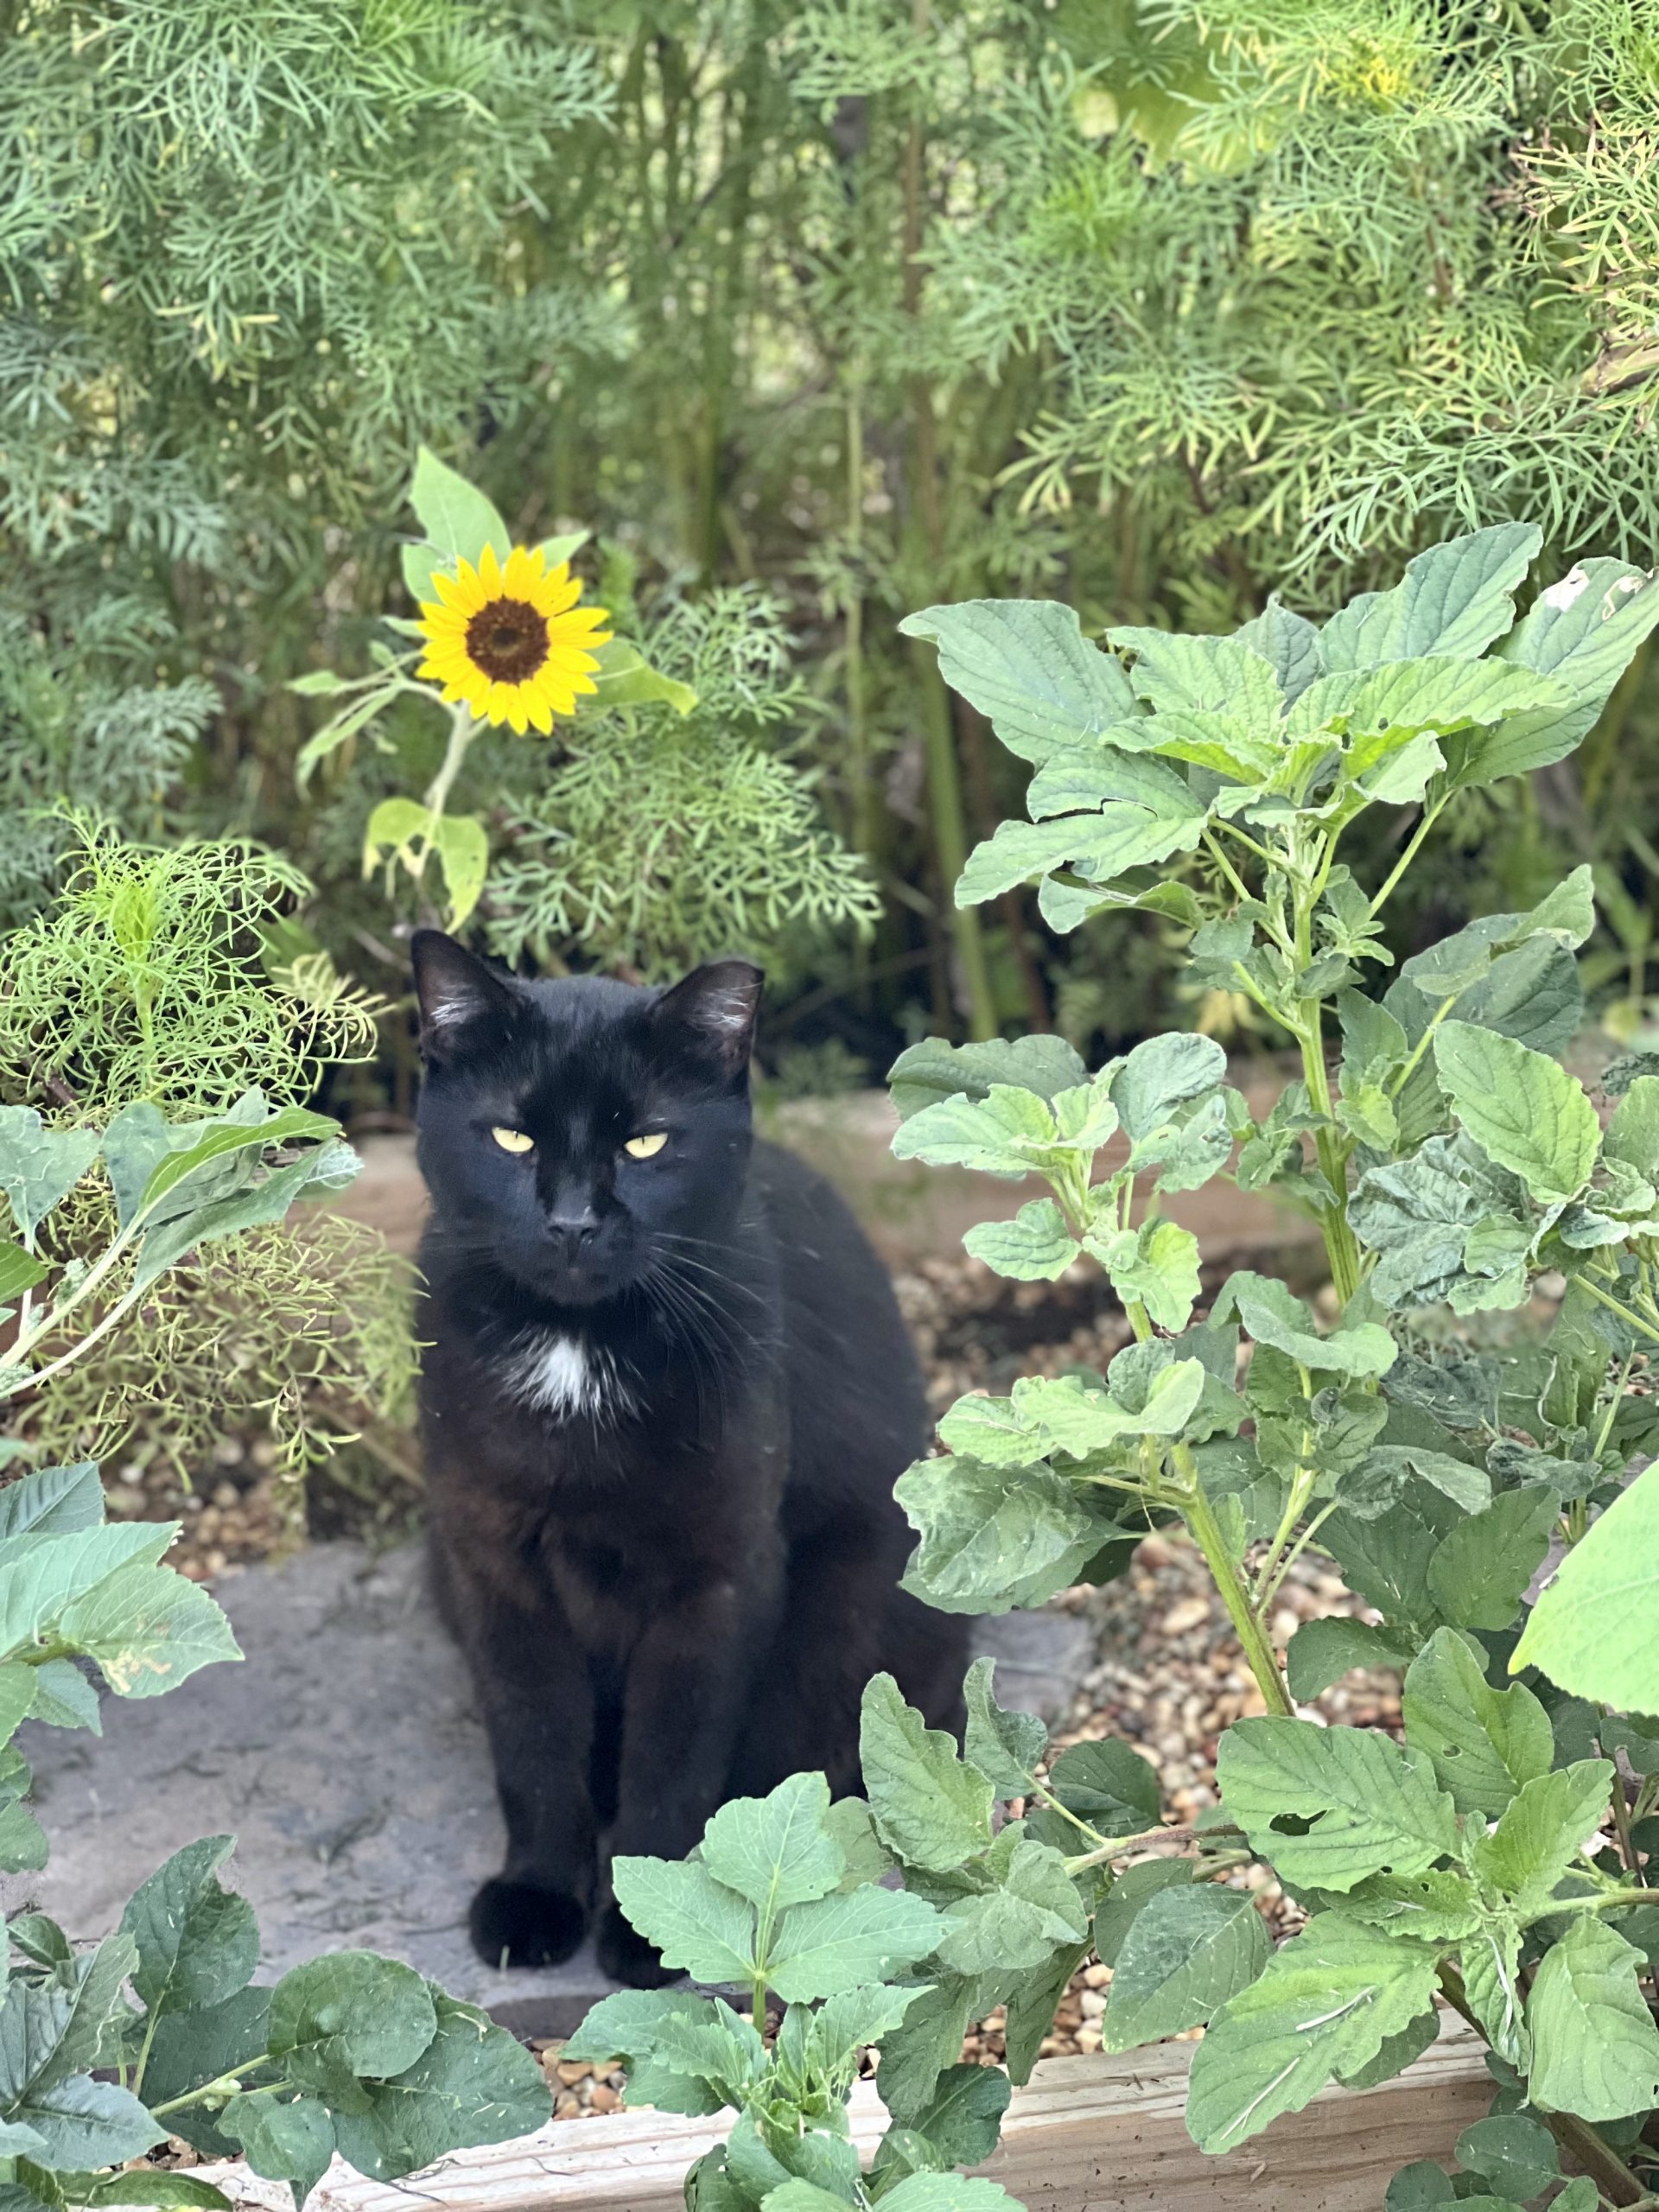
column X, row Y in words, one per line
column 646, row 1147
column 514, row 1141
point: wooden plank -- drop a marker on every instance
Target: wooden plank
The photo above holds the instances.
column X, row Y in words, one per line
column 1093, row 2134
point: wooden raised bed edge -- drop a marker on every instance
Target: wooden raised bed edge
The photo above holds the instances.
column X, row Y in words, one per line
column 1093, row 2134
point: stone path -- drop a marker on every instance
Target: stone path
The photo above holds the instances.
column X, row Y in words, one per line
column 347, row 1758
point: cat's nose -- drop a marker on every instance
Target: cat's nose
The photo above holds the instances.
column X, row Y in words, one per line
column 572, row 1227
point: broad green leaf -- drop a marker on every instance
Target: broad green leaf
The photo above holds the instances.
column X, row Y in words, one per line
column 1122, row 835
column 1289, row 642
column 1108, row 1785
column 1490, row 1960
column 1483, row 1744
column 1404, row 698
column 84, row 2123
column 1396, row 2052
column 455, row 515
column 1162, row 1073
column 1453, row 600
column 1420, row 2187
column 838, row 1943
column 53, row 2035
column 850, row 2020
column 225, row 1136
column 629, row 2024
column 1157, row 1266
column 1005, row 1747
column 198, row 1943
column 1036, row 1246
column 704, row 2045
column 1326, row 2004
column 1272, row 1316
column 991, row 1539
column 1073, row 1419
column 1131, row 1892
column 1591, row 1630
column 1422, row 1216
column 191, row 2049
column 321, row 1170
column 1480, row 1572
column 1370, row 1805
column 46, row 1573
column 1524, row 1111
column 38, row 1166
column 964, row 2118
column 930, row 1808
column 1025, row 665
column 925, row 1074
column 53, row 1501
column 474, row 2082
column 1595, row 2048
column 152, row 2186
column 1186, row 1954
column 1543, row 1831
column 1322, row 1652
column 347, row 2014
column 17, row 1697
column 1514, row 2152
column 696, row 1923
column 625, row 678
column 923, row 2046
column 1033, row 1907
column 316, row 683
column 1006, row 1132
column 1439, row 1906
column 1582, row 631
column 1633, row 1134
column 19, row 1271
column 1031, row 2008
column 1202, row 673
column 774, row 1850
column 148, row 1630
column 283, row 2136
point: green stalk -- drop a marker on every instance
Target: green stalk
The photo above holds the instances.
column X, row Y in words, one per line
column 1205, row 1531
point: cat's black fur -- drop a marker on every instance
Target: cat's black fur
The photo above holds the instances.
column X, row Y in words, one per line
column 671, row 1555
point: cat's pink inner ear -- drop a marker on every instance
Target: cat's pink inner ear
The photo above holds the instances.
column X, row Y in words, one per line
column 717, row 1005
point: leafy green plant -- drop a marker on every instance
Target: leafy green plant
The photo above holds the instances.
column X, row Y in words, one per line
column 1498, row 1861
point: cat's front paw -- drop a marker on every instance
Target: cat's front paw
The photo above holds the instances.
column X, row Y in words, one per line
column 517, row 1924
column 627, row 1956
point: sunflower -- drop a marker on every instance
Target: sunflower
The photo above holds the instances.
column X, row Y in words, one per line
column 510, row 641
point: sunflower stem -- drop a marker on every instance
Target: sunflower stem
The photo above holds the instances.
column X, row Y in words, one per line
column 463, row 730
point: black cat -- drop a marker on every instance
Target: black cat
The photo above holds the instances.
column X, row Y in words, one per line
column 667, row 1395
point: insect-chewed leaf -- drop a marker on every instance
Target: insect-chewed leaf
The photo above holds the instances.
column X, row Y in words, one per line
column 1328, row 2001
column 1483, row 1744
column 1543, row 1830
column 1330, row 1806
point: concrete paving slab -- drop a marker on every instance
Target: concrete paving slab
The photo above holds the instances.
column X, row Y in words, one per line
column 347, row 1759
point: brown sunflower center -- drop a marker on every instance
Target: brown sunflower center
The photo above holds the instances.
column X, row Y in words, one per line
column 508, row 640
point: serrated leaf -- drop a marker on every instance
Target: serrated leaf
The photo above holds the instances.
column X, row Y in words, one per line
column 148, row 1629
column 1480, row 1572
column 628, row 2026
column 1123, row 834
column 52, row 1502
column 1524, row 1111
column 474, row 2083
column 929, row 1807
column 1321, row 1652
column 1543, row 1830
column 774, row 1850
column 1006, row 1132
column 1592, row 1629
column 1026, row 666
column 925, row 1074
column 1595, row 2048
column 1326, row 2004
column 1289, row 642
column 1185, row 1955
column 1272, row 1316
column 859, row 1935
column 1582, row 631
column 1036, row 1246
column 697, row 1924
column 991, row 1539
column 1453, row 600
column 1369, row 1807
column 1014, row 1926
column 197, row 1941
column 1005, row 1747
column 1483, row 1744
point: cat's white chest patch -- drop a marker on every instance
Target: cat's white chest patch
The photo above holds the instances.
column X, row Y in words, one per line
column 562, row 1376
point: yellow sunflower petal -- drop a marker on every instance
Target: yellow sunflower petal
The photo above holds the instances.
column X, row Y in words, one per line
column 489, row 572
column 518, row 578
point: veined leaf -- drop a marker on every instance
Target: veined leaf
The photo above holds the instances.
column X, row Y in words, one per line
column 1591, row 1630
column 1523, row 1109
column 1330, row 1806
column 1321, row 1652
column 833, row 1943
column 1175, row 672
column 40, row 1167
column 774, row 1850
column 1483, row 1744
column 197, row 1941
column 1026, row 666
column 1481, row 1569
column 455, row 516
column 1005, row 1747
column 1272, row 1316
column 930, row 1808
column 1036, row 1246
column 925, row 1074
column 1326, row 2004
column 991, row 1539
column 696, row 1923
column 1187, row 1952
column 1595, row 2048
column 1122, row 835
column 1453, row 601
column 474, row 2082
column 1006, row 1132
column 1582, row 631
column 1543, row 1831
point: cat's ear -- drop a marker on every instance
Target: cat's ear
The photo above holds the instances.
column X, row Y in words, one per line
column 463, row 1003
column 713, row 1009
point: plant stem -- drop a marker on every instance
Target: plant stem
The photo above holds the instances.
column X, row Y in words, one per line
column 1431, row 815
column 1120, row 1844
column 1205, row 1531
column 1613, row 1305
column 463, row 730
column 231, row 2081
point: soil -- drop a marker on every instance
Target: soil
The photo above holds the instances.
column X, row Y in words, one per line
column 1166, row 1677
